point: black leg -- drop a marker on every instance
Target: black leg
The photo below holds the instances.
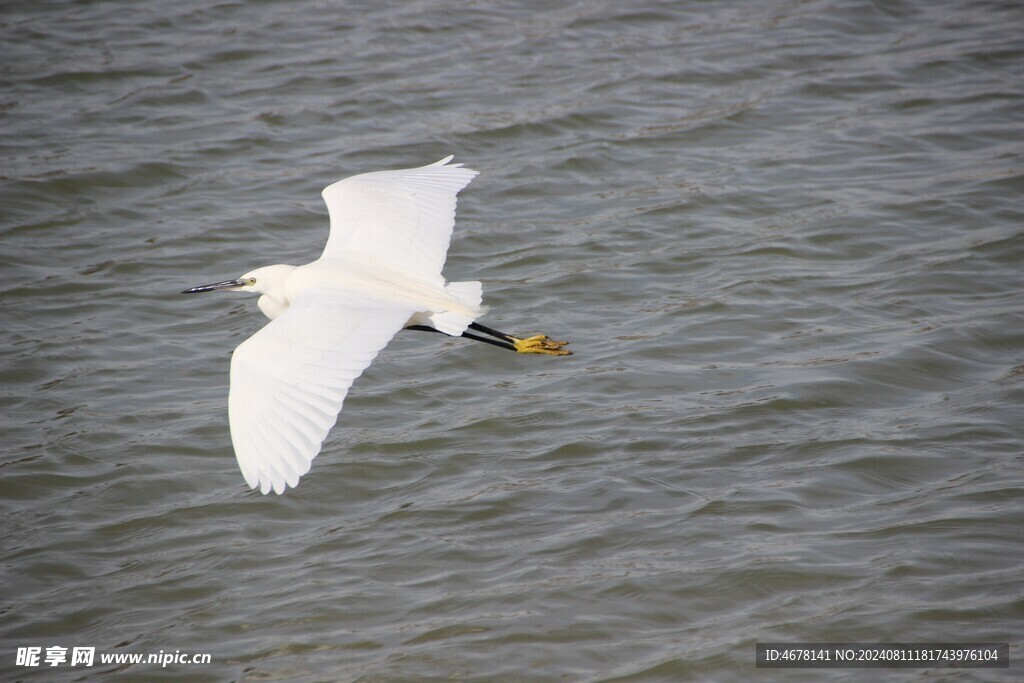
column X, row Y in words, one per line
column 467, row 335
column 494, row 333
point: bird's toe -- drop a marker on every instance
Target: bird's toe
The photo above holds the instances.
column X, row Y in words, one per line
column 541, row 344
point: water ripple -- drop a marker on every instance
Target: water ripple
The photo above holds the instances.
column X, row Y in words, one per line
column 784, row 240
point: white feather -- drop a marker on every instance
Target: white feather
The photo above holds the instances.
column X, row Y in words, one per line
column 289, row 380
column 402, row 219
column 381, row 269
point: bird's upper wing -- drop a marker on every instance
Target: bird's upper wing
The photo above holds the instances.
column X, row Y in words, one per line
column 288, row 381
column 399, row 219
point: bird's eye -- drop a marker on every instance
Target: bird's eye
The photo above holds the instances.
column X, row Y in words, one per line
column 252, row 281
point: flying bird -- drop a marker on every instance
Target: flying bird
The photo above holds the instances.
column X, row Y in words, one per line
column 380, row 272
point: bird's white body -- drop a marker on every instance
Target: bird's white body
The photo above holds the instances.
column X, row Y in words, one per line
column 381, row 284
column 379, row 272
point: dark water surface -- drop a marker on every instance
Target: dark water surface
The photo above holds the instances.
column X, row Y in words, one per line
column 786, row 240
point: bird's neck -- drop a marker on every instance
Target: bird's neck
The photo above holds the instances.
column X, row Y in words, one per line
column 272, row 307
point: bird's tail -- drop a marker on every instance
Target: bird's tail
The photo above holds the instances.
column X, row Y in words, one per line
column 456, row 320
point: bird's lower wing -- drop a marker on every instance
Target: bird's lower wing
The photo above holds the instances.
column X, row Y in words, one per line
column 289, row 380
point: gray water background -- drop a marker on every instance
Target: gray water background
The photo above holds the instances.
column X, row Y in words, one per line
column 784, row 238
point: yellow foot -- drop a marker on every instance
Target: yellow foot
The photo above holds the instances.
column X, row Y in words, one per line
column 541, row 344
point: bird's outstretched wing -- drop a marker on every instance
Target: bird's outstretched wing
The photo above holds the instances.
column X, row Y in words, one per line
column 288, row 381
column 399, row 219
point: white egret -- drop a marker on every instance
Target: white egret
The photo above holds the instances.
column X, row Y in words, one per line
column 379, row 272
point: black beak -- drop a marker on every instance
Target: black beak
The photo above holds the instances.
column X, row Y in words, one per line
column 227, row 284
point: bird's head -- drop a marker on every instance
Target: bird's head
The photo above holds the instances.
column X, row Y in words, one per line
column 268, row 281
